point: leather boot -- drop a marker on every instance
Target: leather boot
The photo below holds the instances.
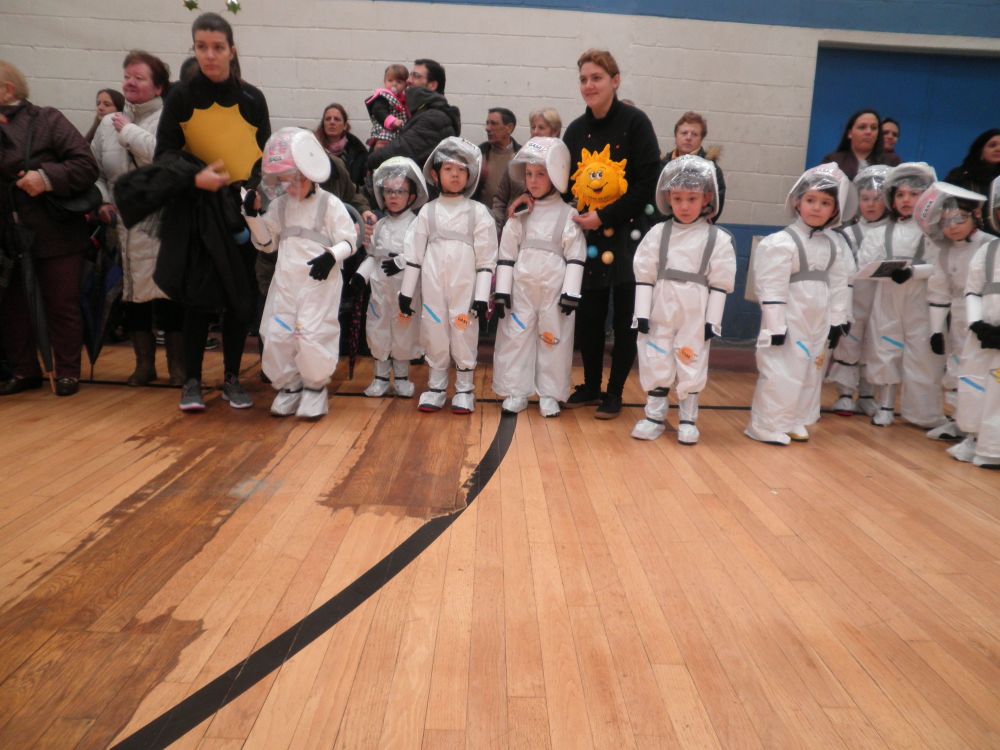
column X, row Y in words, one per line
column 174, row 341
column 145, row 358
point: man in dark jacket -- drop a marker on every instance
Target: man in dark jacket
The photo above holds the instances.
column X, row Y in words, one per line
column 432, row 119
column 498, row 149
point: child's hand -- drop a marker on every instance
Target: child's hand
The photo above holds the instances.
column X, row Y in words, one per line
column 588, row 221
column 500, row 304
column 322, row 264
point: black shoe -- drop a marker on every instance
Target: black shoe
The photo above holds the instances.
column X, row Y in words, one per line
column 610, row 407
column 67, row 386
column 17, row 384
column 582, row 396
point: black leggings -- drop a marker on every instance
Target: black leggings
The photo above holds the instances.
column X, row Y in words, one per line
column 590, row 319
column 139, row 316
column 234, row 337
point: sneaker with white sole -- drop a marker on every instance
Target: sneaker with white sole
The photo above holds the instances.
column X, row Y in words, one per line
column 799, row 434
column 948, row 431
column 233, row 392
column 191, row 399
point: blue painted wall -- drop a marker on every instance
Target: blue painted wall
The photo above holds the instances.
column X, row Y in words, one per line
column 954, row 17
column 942, row 102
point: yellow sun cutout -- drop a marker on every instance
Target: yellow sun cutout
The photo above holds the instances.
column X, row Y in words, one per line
column 598, row 181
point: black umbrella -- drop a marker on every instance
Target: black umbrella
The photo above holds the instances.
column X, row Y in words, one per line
column 356, row 324
column 21, row 239
column 100, row 287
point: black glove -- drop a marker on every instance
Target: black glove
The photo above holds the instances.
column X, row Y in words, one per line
column 358, row 284
column 389, row 267
column 642, row 325
column 778, row 339
column 937, row 343
column 406, row 305
column 500, row 304
column 709, row 332
column 992, row 341
column 568, row 304
column 322, row 264
column 901, row 275
column 989, row 336
column 249, row 203
column 834, row 335
column 480, row 308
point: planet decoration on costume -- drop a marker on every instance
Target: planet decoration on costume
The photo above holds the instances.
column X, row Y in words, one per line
column 635, row 234
column 592, row 251
column 820, row 360
column 548, row 338
column 649, row 209
column 404, row 319
column 607, row 257
column 598, row 181
column 687, row 355
column 996, row 374
column 462, row 321
column 609, row 231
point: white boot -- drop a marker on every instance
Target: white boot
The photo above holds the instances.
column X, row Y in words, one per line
column 986, row 462
column 464, row 400
column 286, row 401
column 948, row 431
column 655, row 420
column 434, row 398
column 548, row 406
column 401, row 378
column 886, row 406
column 866, row 398
column 844, row 406
column 766, row 436
column 964, row 451
column 799, row 434
column 687, row 428
column 315, row 403
column 380, row 385
column 514, row 404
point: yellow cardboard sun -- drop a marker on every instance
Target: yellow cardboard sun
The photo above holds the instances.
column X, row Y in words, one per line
column 598, row 181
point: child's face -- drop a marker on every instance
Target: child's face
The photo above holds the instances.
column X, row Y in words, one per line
column 394, row 85
column 871, row 205
column 957, row 224
column 817, row 208
column 296, row 186
column 396, row 195
column 453, row 177
column 687, row 205
column 536, row 180
column 906, row 199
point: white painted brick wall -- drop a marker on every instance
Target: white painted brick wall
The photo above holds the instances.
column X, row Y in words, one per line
column 752, row 83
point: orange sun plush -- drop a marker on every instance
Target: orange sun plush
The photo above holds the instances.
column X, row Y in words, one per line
column 598, row 181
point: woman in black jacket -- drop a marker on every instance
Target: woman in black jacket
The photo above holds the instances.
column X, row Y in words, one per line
column 611, row 230
column 334, row 132
column 981, row 165
column 861, row 144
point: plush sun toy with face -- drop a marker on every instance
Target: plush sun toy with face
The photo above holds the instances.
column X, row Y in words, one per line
column 598, row 181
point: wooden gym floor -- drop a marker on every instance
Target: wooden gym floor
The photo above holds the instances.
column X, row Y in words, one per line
column 231, row 580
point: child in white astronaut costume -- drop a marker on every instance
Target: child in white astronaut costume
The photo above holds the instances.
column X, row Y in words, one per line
column 897, row 343
column 451, row 251
column 946, row 215
column 684, row 268
column 979, row 370
column 314, row 232
column 400, row 191
column 539, row 273
column 847, row 366
column 800, row 277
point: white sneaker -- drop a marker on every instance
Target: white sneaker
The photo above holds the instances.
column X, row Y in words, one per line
column 379, row 387
column 463, row 402
column 687, row 434
column 867, row 406
column 986, row 462
column 514, row 404
column 948, row 431
column 766, row 436
column 964, row 451
column 844, row 406
column 432, row 400
column 286, row 402
column 548, row 406
column 799, row 434
column 883, row 417
column 646, row 429
column 315, row 403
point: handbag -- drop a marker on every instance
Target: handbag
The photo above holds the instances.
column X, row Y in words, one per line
column 63, row 208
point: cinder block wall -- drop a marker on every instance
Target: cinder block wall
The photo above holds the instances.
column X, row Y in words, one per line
column 752, row 82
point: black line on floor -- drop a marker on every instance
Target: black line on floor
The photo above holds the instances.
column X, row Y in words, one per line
column 174, row 723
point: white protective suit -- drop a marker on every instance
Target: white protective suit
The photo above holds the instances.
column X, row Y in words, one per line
column 534, row 344
column 979, row 372
column 452, row 251
column 118, row 152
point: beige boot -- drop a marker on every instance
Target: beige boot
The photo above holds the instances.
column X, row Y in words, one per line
column 145, row 358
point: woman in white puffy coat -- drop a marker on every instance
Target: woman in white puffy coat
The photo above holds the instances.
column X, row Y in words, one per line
column 124, row 141
column 539, row 272
column 800, row 277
